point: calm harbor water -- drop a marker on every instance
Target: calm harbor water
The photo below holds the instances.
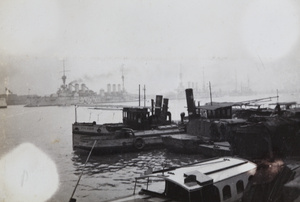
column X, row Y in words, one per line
column 47, row 130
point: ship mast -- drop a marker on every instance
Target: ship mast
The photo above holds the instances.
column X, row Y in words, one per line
column 139, row 95
column 64, row 77
column 123, row 78
column 144, row 95
column 203, row 84
column 210, row 94
column 235, row 81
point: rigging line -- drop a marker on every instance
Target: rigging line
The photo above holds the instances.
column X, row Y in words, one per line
column 71, row 199
column 260, row 60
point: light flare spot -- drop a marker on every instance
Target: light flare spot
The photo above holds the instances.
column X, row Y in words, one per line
column 27, row 174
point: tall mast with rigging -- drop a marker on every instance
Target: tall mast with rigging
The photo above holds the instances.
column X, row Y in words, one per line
column 123, row 85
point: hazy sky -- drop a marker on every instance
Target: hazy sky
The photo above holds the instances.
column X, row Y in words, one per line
column 153, row 40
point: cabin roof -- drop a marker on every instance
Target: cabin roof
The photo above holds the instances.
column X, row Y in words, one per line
column 219, row 105
column 216, row 106
column 209, row 172
column 135, row 109
column 119, row 107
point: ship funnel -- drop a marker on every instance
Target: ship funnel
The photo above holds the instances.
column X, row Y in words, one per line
column 108, row 88
column 119, row 87
column 83, row 87
column 165, row 109
column 190, row 102
column 70, row 87
column 165, row 106
column 158, row 104
column 152, row 106
column 76, row 87
column 114, row 88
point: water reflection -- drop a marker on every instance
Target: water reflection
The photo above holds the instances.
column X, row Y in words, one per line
column 156, row 159
column 112, row 175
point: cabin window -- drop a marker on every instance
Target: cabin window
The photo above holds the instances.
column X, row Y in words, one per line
column 228, row 112
column 208, row 112
column 131, row 116
column 226, row 192
column 213, row 113
column 128, row 116
column 240, row 186
column 139, row 119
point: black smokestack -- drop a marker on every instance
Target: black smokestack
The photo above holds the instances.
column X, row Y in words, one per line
column 165, row 107
column 190, row 102
column 152, row 107
column 158, row 105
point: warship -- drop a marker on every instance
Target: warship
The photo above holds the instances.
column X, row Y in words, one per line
column 75, row 93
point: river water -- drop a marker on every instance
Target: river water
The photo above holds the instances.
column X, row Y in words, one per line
column 38, row 163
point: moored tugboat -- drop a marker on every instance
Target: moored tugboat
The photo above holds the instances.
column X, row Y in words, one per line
column 139, row 130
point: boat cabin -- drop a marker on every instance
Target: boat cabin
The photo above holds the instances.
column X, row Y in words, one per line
column 216, row 111
column 139, row 118
column 136, row 117
column 213, row 110
column 219, row 179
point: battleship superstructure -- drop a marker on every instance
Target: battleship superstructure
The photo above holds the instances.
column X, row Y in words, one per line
column 75, row 93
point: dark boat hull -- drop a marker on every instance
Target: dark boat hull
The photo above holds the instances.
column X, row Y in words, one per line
column 182, row 143
column 112, row 142
column 215, row 149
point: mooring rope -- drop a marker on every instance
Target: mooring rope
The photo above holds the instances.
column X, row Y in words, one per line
column 71, row 199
